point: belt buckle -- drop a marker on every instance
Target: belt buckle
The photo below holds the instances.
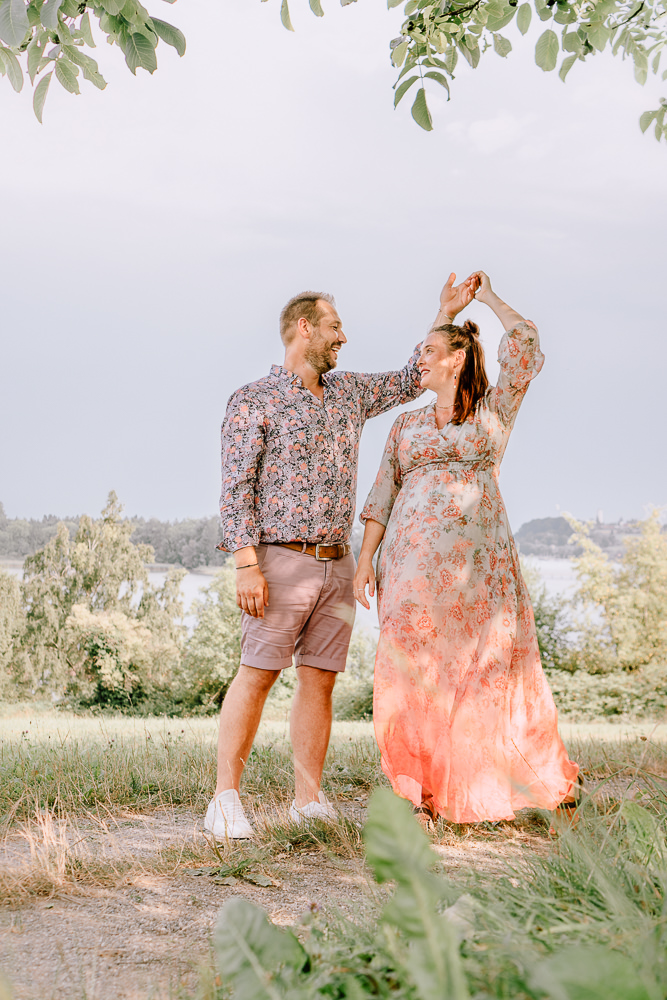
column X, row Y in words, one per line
column 322, row 558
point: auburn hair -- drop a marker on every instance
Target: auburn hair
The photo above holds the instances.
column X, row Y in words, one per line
column 472, row 380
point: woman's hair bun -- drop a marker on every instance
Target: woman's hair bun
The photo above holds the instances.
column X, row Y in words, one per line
column 470, row 328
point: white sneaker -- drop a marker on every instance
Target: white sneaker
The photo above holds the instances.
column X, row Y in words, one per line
column 312, row 810
column 225, row 818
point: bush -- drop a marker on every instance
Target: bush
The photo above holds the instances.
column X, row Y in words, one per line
column 212, row 654
column 353, row 694
column 584, row 697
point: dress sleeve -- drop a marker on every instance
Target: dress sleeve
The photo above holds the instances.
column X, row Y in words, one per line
column 520, row 360
column 242, row 440
column 383, row 390
column 388, row 481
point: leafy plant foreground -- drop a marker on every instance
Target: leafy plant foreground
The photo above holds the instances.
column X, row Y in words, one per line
column 586, row 922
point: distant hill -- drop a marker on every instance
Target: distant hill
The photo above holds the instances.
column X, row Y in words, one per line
column 549, row 537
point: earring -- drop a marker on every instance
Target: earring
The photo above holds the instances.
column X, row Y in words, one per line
column 455, row 376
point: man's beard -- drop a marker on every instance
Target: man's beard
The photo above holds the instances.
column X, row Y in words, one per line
column 319, row 356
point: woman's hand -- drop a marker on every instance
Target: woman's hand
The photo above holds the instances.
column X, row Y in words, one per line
column 508, row 317
column 364, row 577
column 484, row 290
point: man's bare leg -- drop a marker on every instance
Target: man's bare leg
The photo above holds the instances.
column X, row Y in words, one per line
column 239, row 718
column 310, row 729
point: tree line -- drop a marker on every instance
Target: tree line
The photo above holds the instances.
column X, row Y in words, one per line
column 189, row 543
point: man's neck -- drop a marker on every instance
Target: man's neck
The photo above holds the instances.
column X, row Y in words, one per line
column 310, row 378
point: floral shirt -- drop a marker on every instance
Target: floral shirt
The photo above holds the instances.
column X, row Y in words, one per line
column 289, row 461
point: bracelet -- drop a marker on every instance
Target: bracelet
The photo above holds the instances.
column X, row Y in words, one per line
column 247, row 565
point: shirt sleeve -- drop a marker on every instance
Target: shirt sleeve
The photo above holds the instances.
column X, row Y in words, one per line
column 388, row 481
column 520, row 360
column 383, row 390
column 243, row 445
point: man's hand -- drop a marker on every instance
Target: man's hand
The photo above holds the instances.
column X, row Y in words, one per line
column 252, row 591
column 454, row 298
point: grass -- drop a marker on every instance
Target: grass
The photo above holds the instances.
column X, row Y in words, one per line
column 601, row 886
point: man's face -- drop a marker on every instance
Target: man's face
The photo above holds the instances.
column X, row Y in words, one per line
column 326, row 339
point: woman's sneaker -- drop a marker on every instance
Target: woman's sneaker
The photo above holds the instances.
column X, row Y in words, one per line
column 225, row 818
column 312, row 810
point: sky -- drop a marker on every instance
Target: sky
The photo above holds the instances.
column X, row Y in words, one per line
column 153, row 232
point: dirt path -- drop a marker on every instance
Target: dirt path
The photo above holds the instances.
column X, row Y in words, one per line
column 148, row 933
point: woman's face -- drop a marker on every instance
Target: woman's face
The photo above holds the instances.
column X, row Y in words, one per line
column 436, row 364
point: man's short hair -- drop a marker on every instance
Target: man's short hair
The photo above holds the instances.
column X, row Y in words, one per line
column 304, row 304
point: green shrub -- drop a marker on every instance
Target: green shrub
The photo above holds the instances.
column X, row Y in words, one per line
column 584, row 697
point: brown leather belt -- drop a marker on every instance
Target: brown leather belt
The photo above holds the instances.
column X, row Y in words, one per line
column 324, row 553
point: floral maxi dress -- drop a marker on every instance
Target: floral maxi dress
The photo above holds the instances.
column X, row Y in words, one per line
column 462, row 709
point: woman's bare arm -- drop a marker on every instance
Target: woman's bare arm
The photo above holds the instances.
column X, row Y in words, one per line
column 365, row 576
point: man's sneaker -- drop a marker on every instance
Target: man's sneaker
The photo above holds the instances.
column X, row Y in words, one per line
column 312, row 810
column 225, row 818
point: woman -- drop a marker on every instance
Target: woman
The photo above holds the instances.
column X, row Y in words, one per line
column 463, row 714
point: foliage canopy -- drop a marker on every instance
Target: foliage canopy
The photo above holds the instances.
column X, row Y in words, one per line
column 48, row 38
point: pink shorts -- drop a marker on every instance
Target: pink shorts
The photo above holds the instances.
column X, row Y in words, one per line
column 310, row 613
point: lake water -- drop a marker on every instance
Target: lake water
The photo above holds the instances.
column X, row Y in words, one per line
column 558, row 576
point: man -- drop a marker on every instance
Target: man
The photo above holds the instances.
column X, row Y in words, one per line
column 289, row 469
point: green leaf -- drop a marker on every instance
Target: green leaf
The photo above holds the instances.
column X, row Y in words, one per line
column 566, row 66
column 393, row 3
column 35, row 53
column 49, row 13
column 113, row 7
column 565, row 16
column 33, row 15
column 598, row 35
column 316, row 8
column 546, row 50
column 86, row 33
column 439, row 78
column 14, row 22
column 646, row 840
column 646, row 119
column 572, row 42
column 169, row 34
column 451, row 57
column 40, row 96
column 523, row 17
column 420, row 111
column 641, row 68
column 66, row 76
column 139, row 53
column 405, row 86
column 13, row 68
column 284, row 16
column 398, row 850
column 502, row 45
column 398, row 54
column 496, row 23
column 249, row 949
column 470, row 49
column 593, row 973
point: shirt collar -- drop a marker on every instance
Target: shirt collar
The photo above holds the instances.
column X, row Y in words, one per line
column 287, row 376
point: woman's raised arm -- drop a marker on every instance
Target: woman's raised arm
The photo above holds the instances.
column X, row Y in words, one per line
column 508, row 317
